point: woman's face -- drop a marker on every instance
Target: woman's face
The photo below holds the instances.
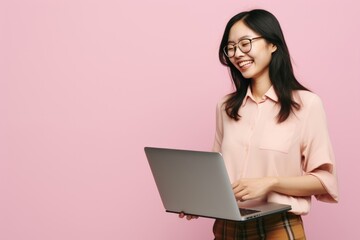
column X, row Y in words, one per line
column 255, row 63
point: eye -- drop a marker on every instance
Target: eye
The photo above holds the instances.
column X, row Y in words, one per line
column 244, row 43
column 230, row 47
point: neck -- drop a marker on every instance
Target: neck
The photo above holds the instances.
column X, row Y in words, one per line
column 259, row 88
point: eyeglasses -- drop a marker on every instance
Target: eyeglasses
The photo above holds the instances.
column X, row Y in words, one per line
column 244, row 46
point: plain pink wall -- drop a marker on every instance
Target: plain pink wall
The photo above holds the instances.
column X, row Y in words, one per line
column 85, row 85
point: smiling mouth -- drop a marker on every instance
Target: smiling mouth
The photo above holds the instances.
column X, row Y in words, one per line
column 245, row 63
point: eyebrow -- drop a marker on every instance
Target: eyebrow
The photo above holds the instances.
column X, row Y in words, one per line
column 239, row 39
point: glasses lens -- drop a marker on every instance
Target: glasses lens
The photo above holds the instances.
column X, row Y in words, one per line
column 229, row 50
column 245, row 45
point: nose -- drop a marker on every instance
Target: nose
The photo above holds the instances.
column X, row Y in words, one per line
column 238, row 52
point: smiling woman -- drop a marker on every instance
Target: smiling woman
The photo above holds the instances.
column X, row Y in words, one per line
column 271, row 131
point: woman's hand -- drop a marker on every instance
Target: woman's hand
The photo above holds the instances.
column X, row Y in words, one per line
column 252, row 188
column 188, row 217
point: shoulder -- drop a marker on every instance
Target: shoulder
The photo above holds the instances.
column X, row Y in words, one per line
column 222, row 101
column 311, row 104
column 307, row 99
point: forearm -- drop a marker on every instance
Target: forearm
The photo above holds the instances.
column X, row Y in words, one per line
column 301, row 186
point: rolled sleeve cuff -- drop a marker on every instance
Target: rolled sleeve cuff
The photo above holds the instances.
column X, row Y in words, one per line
column 329, row 182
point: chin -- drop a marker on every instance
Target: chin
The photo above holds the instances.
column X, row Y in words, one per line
column 247, row 75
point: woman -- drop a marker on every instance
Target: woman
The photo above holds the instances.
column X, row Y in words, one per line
column 271, row 131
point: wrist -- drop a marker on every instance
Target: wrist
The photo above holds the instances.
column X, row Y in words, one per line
column 274, row 182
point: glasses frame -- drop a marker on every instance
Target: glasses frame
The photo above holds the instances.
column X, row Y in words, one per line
column 237, row 46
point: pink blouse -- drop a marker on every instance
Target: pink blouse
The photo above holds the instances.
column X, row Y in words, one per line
column 257, row 146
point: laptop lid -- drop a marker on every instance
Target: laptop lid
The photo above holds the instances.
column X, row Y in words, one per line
column 197, row 183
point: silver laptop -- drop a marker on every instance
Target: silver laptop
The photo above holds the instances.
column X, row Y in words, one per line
column 197, row 183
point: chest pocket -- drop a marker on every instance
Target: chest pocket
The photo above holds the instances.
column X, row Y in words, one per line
column 278, row 137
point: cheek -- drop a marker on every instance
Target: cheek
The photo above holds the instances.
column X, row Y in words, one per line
column 265, row 58
column 233, row 62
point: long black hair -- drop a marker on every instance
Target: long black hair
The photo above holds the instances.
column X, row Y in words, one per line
column 280, row 69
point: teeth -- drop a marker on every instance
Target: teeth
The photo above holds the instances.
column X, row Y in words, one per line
column 243, row 63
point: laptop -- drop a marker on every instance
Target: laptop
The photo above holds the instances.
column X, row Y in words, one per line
column 197, row 183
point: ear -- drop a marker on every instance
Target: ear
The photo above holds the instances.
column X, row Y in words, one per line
column 273, row 48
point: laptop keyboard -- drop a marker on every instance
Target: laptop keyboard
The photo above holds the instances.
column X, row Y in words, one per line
column 246, row 211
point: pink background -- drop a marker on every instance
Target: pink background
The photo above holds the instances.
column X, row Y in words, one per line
column 85, row 85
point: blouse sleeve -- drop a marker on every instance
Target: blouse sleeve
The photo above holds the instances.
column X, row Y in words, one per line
column 218, row 129
column 317, row 153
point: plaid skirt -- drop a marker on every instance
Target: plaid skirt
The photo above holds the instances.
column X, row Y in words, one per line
column 282, row 226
